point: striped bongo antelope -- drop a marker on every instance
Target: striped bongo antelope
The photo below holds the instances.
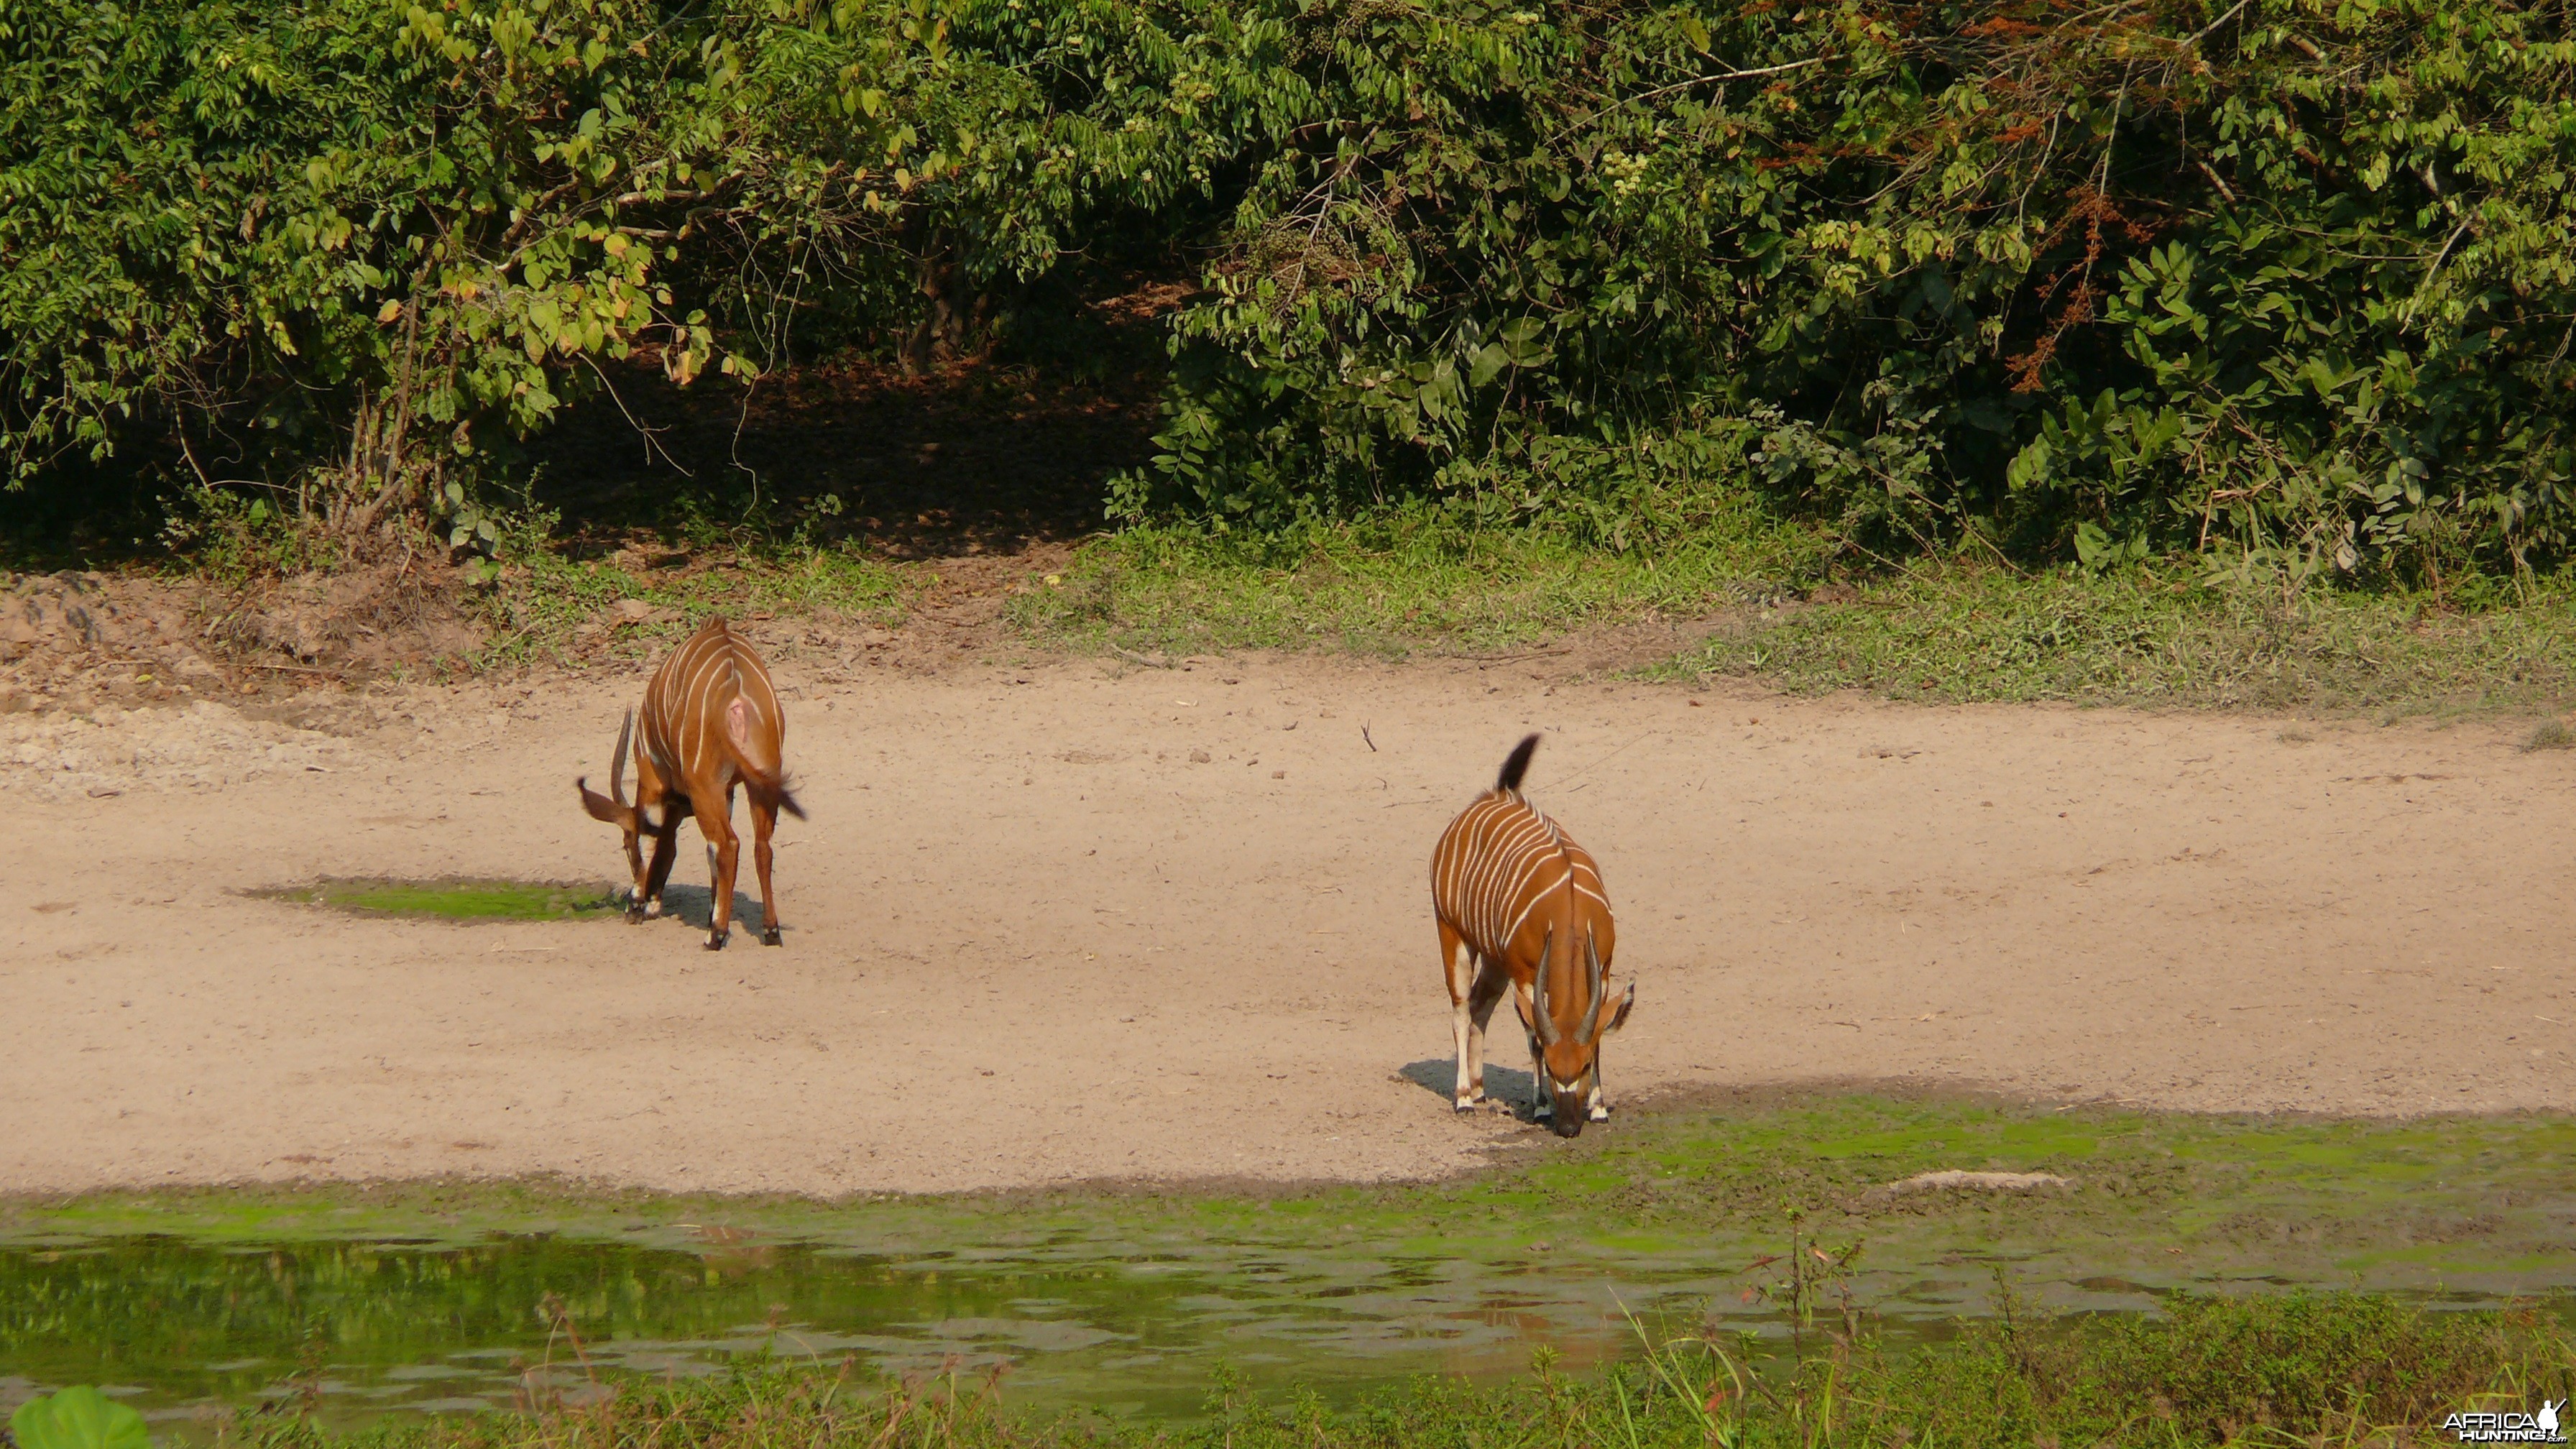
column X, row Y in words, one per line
column 1519, row 903
column 711, row 722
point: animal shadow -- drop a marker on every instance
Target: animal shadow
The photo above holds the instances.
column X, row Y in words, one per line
column 694, row 907
column 1503, row 1086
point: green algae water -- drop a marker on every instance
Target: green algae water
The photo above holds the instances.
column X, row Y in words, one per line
column 366, row 1302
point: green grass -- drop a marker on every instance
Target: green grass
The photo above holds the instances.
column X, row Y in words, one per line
column 2326, row 1370
column 1406, row 580
column 541, row 603
column 1950, row 630
column 1965, row 632
column 1791, row 609
column 2167, row 1198
column 460, row 900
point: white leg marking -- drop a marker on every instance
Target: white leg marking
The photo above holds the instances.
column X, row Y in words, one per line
column 1462, row 1093
column 1475, row 1031
column 713, row 885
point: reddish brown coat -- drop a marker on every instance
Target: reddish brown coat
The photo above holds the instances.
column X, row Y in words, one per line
column 711, row 721
column 1518, row 903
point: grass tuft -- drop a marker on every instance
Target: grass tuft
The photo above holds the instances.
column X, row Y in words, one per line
column 2314, row 1369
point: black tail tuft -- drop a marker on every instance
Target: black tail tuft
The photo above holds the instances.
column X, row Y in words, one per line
column 779, row 792
column 1516, row 765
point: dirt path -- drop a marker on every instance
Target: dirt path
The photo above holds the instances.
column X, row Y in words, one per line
column 1070, row 921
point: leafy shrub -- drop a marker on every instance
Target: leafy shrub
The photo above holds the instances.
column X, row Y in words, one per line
column 2285, row 279
column 282, row 233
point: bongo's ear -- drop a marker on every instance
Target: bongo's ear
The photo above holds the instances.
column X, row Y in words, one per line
column 603, row 808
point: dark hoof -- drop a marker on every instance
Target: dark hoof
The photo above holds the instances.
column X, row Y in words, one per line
column 717, row 943
column 769, row 937
column 634, row 915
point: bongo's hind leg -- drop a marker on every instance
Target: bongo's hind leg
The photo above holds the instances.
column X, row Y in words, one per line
column 724, row 855
column 1458, row 964
column 764, row 819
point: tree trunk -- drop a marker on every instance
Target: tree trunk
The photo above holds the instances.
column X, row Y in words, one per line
column 946, row 320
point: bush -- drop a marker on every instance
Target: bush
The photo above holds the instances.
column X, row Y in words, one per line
column 276, row 235
column 2284, row 280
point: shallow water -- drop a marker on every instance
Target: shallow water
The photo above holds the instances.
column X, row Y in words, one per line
column 434, row 1298
column 375, row 1327
column 379, row 1326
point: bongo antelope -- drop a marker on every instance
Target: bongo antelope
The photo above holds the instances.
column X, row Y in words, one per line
column 1520, row 904
column 711, row 722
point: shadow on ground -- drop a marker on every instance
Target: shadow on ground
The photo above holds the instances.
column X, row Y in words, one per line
column 694, row 907
column 1505, row 1089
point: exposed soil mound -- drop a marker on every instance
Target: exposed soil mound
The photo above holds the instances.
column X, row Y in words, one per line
column 78, row 641
column 355, row 623
column 81, row 638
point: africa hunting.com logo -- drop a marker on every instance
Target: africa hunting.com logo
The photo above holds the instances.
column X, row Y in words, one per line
column 2492, row 1427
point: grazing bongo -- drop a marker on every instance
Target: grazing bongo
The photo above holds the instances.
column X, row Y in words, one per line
column 1519, row 903
column 711, row 722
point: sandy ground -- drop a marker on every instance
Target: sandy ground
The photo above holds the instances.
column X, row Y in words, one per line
column 1072, row 921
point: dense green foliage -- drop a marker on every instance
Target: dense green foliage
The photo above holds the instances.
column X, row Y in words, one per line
column 2286, row 281
column 2341, row 1370
column 296, row 230
column 2291, row 276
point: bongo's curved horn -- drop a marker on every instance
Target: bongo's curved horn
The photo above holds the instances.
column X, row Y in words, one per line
column 1543, row 1023
column 614, row 809
column 617, row 761
column 1596, row 986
